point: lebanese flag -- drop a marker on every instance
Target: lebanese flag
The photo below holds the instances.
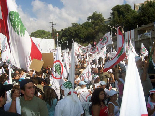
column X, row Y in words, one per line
column 22, row 48
column 120, row 53
column 133, row 101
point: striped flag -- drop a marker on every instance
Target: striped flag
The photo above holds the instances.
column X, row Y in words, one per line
column 23, row 50
column 120, row 53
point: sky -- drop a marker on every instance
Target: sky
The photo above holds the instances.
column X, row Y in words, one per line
column 36, row 14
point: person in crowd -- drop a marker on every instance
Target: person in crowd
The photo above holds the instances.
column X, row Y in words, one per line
column 76, row 80
column 113, row 106
column 151, row 103
column 98, row 106
column 47, row 84
column 104, row 76
column 3, row 98
column 30, row 104
column 51, row 101
column 83, row 92
column 15, row 88
column 111, row 78
column 103, row 85
column 120, row 81
column 145, row 80
column 151, row 67
column 70, row 105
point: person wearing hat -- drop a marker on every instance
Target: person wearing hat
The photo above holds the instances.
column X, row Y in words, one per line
column 113, row 107
column 145, row 80
column 3, row 98
column 103, row 85
column 151, row 103
column 30, row 104
column 83, row 92
column 70, row 104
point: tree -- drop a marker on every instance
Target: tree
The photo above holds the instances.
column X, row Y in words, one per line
column 124, row 16
column 97, row 21
column 41, row 34
column 146, row 14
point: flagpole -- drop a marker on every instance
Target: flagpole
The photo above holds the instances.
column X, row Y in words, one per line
column 57, row 40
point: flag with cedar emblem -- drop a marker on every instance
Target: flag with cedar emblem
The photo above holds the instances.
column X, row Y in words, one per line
column 120, row 53
column 22, row 48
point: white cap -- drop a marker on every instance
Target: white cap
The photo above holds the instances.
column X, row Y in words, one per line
column 102, row 83
column 82, row 83
column 112, row 92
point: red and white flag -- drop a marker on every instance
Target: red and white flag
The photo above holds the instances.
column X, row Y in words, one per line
column 120, row 53
column 22, row 48
column 133, row 101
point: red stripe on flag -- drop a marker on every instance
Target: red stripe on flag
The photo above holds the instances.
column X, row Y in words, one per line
column 144, row 115
column 35, row 53
column 3, row 21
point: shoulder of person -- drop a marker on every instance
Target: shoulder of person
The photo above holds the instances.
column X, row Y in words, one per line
column 96, row 107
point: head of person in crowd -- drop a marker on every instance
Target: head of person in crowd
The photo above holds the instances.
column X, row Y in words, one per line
column 49, row 95
column 22, row 71
column 103, row 84
column 113, row 95
column 16, row 88
column 66, row 88
column 47, row 84
column 3, row 78
column 139, row 62
column 82, row 84
column 27, row 89
column 16, row 70
column 30, row 73
column 16, row 76
column 3, row 96
column 98, row 96
column 100, row 70
column 122, row 70
column 152, row 95
column 95, row 70
column 96, row 79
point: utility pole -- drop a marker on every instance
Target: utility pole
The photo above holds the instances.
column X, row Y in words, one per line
column 52, row 30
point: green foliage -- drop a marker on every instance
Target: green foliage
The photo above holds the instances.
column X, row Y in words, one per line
column 124, row 16
column 147, row 13
column 41, row 34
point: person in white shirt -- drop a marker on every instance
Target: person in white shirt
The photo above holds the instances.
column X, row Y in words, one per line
column 70, row 104
column 83, row 92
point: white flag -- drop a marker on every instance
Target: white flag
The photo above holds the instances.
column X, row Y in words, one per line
column 133, row 101
column 72, row 68
column 5, row 50
column 86, row 74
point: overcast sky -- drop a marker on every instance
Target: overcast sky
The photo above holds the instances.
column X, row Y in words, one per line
column 36, row 14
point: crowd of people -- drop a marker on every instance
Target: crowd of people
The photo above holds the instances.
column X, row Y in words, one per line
column 35, row 93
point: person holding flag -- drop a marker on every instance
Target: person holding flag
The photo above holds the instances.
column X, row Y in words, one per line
column 70, row 105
